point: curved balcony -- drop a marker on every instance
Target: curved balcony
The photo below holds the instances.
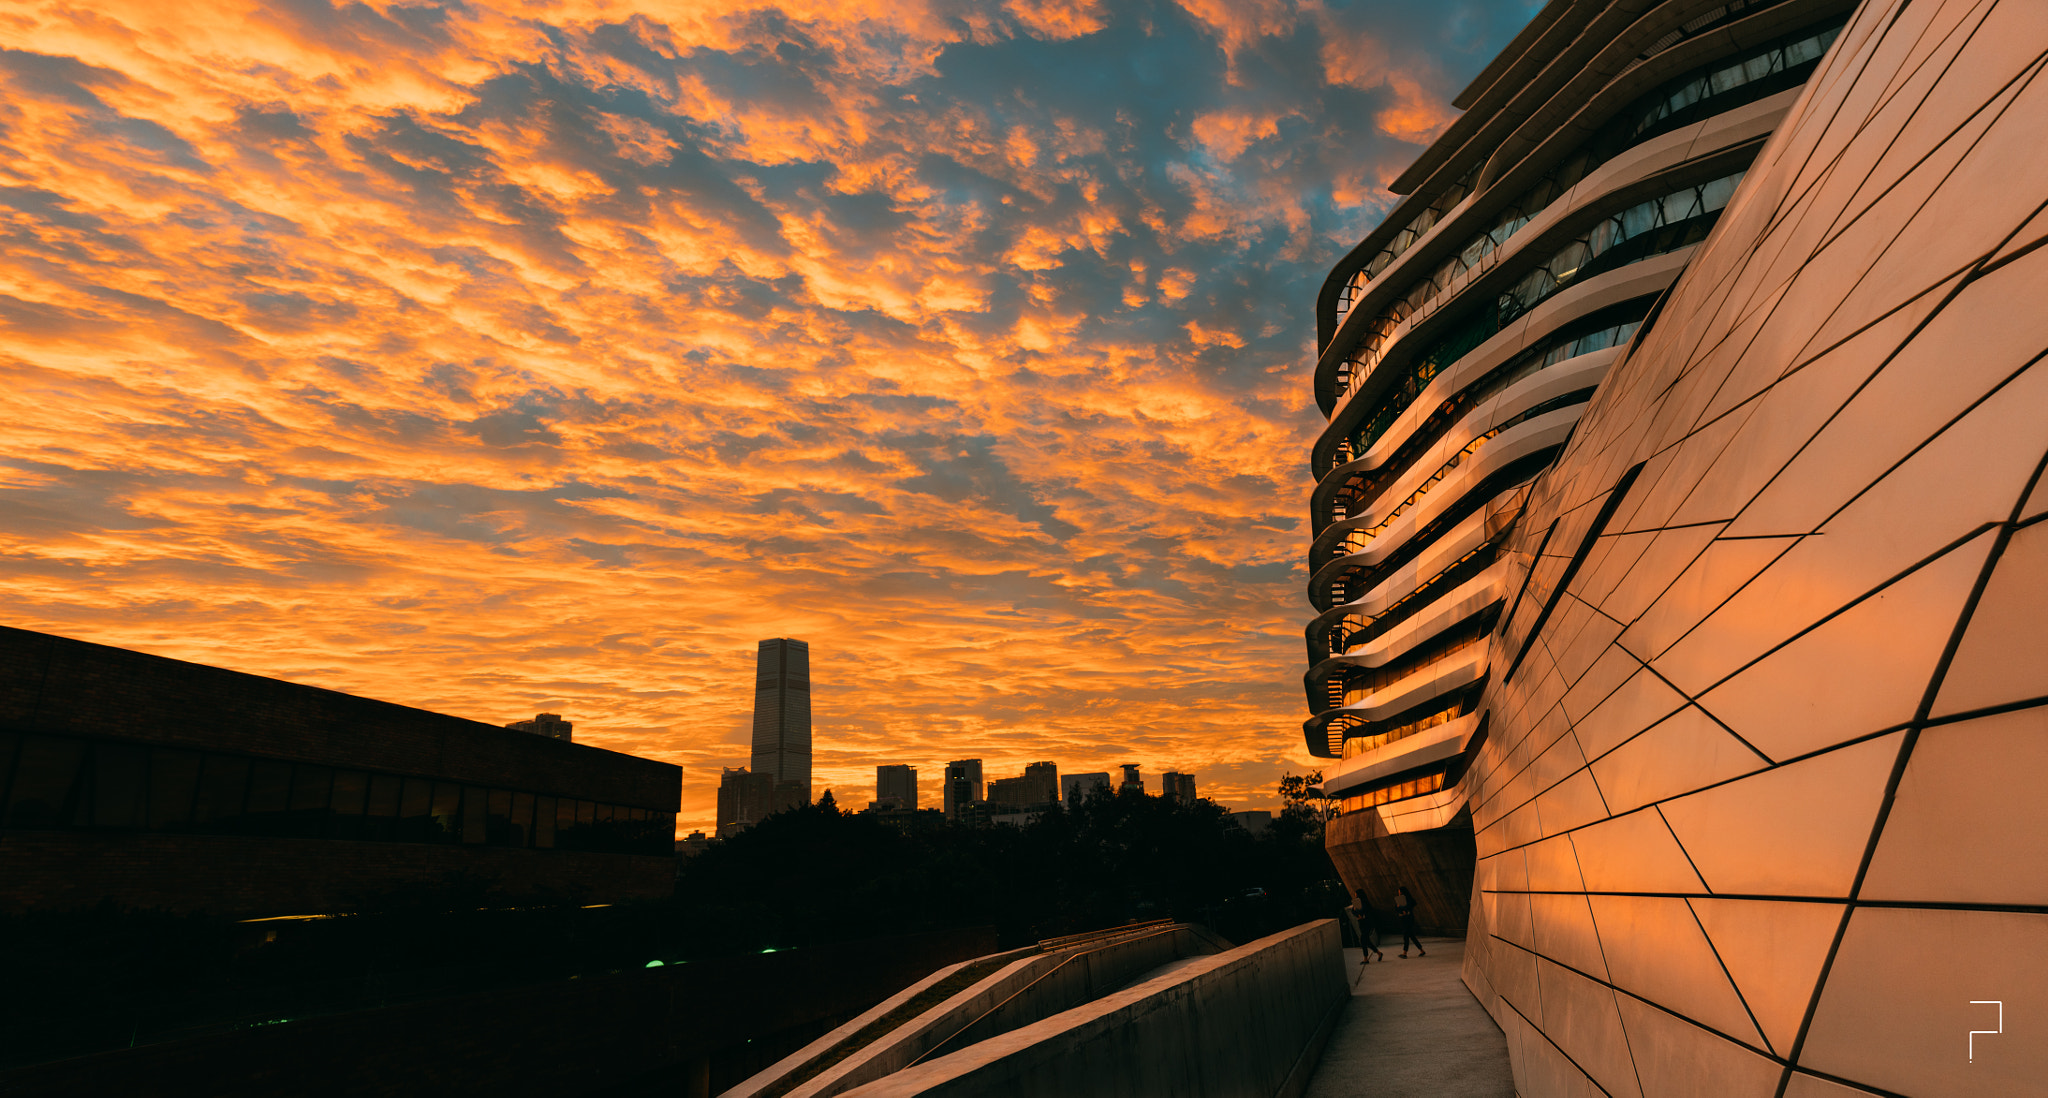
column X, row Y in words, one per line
column 1542, row 143
column 1582, row 299
column 1453, row 672
column 1533, row 385
column 1656, row 217
column 1509, row 451
column 1343, row 627
column 1441, row 742
column 1466, row 600
column 1461, row 553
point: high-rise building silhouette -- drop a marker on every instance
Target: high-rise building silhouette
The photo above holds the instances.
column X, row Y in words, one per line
column 1075, row 789
column 896, row 788
column 1132, row 779
column 1042, row 782
column 963, row 785
column 782, row 720
column 1037, row 787
column 744, row 799
column 1178, row 787
column 550, row 725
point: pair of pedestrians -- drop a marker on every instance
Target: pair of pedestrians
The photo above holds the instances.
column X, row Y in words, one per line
column 1368, row 925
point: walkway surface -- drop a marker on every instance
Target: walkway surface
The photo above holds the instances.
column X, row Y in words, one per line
column 1412, row 1028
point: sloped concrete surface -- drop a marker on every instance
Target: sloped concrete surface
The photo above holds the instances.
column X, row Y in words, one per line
column 1239, row 1024
column 1412, row 1028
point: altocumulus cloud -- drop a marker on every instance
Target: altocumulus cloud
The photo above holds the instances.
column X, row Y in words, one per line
column 497, row 357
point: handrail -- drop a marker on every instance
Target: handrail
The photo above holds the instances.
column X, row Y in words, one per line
column 1137, row 931
column 1054, row 945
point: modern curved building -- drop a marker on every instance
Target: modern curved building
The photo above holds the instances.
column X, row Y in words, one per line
column 1460, row 343
column 1680, row 563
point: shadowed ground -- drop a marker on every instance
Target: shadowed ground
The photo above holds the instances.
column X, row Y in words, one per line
column 1411, row 1028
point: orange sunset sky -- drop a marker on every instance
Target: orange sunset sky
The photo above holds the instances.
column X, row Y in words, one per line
column 497, row 357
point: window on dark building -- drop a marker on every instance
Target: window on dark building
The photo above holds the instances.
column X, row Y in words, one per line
column 474, row 803
column 351, row 791
column 173, row 783
column 498, row 820
column 520, row 829
column 381, row 818
column 223, row 783
column 544, row 821
column 270, row 789
column 447, row 826
column 61, row 782
column 312, row 791
column 45, row 777
column 9, row 744
column 566, row 834
column 416, row 811
column 117, row 785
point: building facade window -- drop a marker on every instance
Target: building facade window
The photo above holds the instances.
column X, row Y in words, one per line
column 65, row 783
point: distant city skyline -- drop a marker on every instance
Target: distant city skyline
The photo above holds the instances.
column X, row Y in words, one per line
column 779, row 773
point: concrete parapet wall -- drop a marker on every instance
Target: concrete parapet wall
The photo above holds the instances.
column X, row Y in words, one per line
column 1242, row 1023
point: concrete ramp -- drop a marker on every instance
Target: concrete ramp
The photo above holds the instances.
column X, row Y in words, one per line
column 1247, row 1022
column 967, row 1003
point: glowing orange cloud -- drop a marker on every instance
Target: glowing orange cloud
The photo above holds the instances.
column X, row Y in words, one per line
column 499, row 358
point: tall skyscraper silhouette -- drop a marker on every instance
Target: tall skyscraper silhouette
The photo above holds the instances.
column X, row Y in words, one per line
column 782, row 719
column 963, row 785
column 896, row 788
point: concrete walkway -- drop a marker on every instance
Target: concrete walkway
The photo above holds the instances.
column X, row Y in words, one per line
column 1412, row 1028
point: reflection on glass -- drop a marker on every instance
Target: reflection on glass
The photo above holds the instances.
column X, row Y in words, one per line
column 475, row 828
column 447, row 813
column 351, row 791
column 415, row 811
column 381, row 819
column 520, row 829
column 498, row 820
column 544, row 818
column 312, row 786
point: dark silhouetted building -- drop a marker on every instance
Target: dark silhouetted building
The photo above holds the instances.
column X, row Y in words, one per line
column 782, row 720
column 1178, row 787
column 896, row 788
column 1075, row 789
column 1255, row 822
column 963, row 786
column 148, row 782
column 550, row 725
column 1132, row 779
column 1037, row 788
column 1044, row 779
column 745, row 798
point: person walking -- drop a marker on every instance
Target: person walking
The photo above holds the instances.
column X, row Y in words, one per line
column 1404, row 910
column 1368, row 929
